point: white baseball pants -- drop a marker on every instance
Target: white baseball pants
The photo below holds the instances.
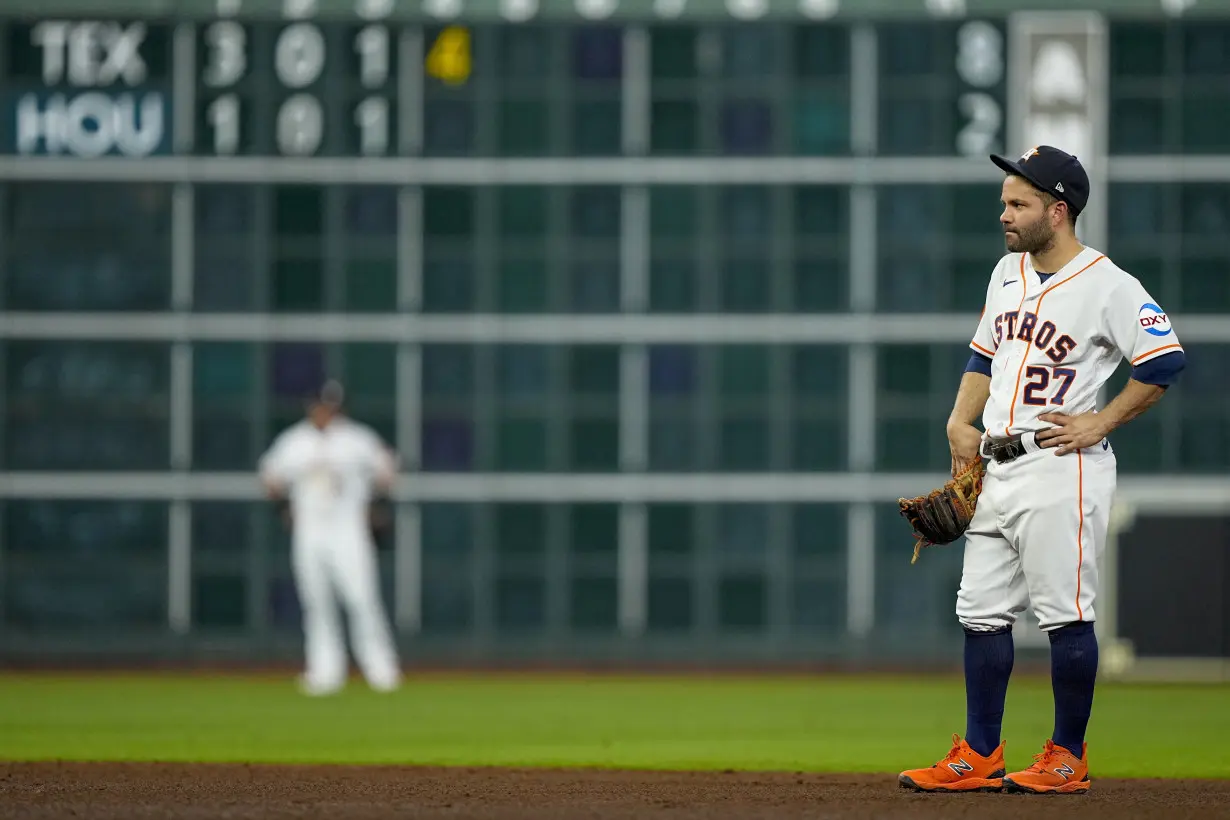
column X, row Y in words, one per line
column 339, row 566
column 1037, row 537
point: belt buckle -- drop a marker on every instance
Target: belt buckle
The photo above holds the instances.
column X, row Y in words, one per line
column 1009, row 451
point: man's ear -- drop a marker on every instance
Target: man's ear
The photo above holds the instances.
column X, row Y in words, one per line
column 1059, row 213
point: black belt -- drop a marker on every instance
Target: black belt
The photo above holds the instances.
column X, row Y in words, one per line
column 1003, row 450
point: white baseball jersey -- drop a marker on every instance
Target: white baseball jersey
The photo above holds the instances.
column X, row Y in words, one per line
column 1041, row 521
column 329, row 472
column 1054, row 344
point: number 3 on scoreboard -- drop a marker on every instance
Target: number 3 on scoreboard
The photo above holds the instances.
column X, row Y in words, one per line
column 1040, row 379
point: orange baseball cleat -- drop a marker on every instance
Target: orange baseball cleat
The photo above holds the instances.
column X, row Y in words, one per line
column 963, row 770
column 1055, row 771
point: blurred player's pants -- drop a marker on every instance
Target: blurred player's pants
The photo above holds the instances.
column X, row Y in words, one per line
column 336, row 565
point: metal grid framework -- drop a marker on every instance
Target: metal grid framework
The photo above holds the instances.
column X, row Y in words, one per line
column 860, row 488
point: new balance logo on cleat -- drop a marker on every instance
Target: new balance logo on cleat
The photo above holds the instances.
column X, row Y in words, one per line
column 1065, row 771
column 960, row 767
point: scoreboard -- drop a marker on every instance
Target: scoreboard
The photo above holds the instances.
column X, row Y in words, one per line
column 304, row 78
column 378, row 78
column 682, row 281
column 90, row 88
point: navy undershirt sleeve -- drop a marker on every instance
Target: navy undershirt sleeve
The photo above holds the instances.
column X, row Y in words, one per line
column 979, row 363
column 1162, row 371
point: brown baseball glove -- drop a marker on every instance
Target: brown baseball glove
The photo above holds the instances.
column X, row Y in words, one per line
column 943, row 515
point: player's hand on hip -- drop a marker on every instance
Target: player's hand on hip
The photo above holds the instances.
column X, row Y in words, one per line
column 1071, row 433
column 964, row 441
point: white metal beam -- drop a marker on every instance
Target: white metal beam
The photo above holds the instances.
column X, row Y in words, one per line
column 1152, row 493
column 586, row 171
column 837, row 329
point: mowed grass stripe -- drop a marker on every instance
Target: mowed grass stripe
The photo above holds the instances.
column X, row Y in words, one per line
column 834, row 724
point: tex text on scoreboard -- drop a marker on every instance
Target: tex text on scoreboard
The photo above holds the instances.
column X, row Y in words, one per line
column 295, row 87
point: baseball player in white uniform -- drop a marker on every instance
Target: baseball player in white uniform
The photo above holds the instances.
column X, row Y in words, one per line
column 1058, row 319
column 326, row 467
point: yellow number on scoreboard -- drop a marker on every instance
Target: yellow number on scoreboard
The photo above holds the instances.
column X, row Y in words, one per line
column 449, row 58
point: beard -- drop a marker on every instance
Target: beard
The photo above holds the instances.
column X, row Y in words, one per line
column 1034, row 238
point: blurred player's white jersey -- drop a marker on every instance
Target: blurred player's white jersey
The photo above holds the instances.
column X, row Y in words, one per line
column 329, row 474
column 1054, row 344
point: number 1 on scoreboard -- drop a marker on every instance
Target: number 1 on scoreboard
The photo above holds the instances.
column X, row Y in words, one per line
column 371, row 117
column 372, row 113
column 223, row 117
column 372, row 46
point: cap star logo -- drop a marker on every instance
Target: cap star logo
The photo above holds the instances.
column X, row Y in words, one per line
column 1032, row 152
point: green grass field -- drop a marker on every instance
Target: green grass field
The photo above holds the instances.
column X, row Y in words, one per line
column 836, row 724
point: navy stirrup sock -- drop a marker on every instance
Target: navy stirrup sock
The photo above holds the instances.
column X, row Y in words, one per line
column 988, row 665
column 1074, row 669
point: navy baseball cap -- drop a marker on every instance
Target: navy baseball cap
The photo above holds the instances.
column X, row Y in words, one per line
column 330, row 392
column 1048, row 169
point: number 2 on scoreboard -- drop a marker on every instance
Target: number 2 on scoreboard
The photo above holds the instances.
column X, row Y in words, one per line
column 1040, row 379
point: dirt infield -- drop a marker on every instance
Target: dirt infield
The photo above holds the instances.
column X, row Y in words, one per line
column 136, row 791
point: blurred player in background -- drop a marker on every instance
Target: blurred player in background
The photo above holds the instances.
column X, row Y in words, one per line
column 325, row 471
